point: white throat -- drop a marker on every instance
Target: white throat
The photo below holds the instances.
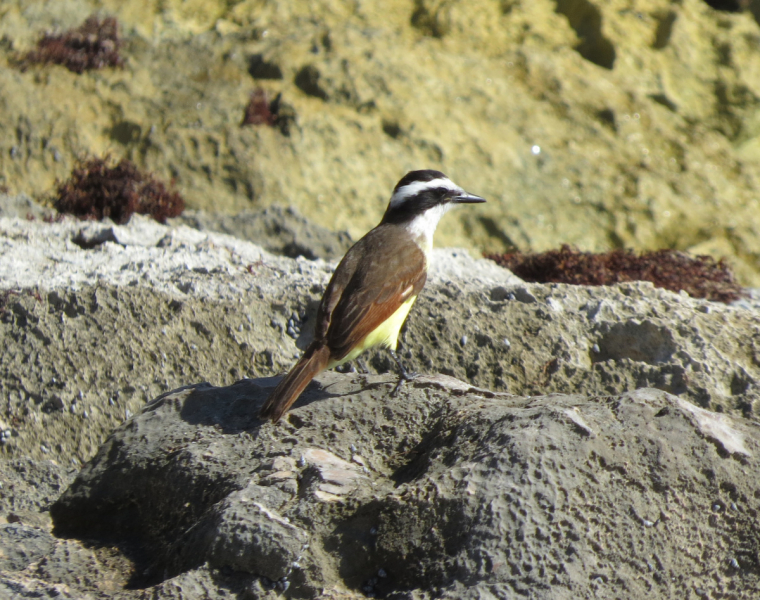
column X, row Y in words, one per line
column 422, row 227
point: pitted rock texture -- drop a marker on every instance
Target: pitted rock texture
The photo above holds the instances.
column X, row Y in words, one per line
column 97, row 319
column 459, row 492
column 279, row 231
column 602, row 124
column 90, row 335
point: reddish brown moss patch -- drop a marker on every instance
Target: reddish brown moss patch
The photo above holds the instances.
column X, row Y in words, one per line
column 97, row 190
column 260, row 110
column 93, row 45
column 700, row 276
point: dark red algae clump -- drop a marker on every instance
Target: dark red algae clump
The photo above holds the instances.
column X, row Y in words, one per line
column 93, row 45
column 700, row 276
column 260, row 111
column 97, row 190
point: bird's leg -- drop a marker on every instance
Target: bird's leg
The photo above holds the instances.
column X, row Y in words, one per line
column 404, row 375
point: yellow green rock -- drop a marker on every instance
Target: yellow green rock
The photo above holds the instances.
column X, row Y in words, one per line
column 598, row 124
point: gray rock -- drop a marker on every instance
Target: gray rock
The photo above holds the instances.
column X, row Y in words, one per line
column 580, row 485
column 245, row 534
column 276, row 229
column 19, row 588
column 21, row 545
column 34, row 564
column 204, row 582
column 28, row 487
column 557, row 496
column 94, row 334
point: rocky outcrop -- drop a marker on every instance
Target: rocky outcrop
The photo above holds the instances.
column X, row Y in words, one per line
column 562, row 442
column 598, row 124
column 98, row 319
column 444, row 490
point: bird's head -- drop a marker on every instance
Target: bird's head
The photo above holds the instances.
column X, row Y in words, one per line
column 427, row 195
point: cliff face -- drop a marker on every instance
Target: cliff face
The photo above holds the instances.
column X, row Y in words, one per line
column 596, row 124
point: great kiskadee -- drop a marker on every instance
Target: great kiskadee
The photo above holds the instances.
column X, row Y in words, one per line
column 373, row 288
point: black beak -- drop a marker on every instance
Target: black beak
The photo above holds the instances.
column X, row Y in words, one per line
column 467, row 199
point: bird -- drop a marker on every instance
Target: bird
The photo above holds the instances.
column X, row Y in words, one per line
column 375, row 285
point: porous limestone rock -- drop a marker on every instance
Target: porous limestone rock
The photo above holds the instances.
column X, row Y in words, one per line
column 562, row 475
column 450, row 491
column 97, row 319
column 600, row 124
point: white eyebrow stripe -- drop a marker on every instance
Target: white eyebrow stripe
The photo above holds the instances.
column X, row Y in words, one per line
column 418, row 186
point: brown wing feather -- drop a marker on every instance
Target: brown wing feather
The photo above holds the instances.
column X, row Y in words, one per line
column 340, row 279
column 361, row 301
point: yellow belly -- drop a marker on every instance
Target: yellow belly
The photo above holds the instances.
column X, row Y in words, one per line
column 386, row 334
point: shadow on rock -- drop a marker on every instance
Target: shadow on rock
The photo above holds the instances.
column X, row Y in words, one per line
column 234, row 408
column 444, row 489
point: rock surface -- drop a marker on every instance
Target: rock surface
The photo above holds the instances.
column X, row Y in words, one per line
column 565, row 480
column 444, row 491
column 98, row 319
column 277, row 230
column 599, row 124
column 610, row 448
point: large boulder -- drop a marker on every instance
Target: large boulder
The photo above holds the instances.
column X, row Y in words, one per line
column 443, row 490
column 598, row 441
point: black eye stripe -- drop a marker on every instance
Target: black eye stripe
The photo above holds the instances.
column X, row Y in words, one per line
column 445, row 192
column 417, row 204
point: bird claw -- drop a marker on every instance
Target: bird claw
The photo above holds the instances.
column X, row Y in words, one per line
column 401, row 379
column 404, row 375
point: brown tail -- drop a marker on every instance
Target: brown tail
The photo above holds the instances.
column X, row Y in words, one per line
column 313, row 361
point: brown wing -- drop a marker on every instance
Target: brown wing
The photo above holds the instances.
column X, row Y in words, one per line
column 340, row 279
column 357, row 302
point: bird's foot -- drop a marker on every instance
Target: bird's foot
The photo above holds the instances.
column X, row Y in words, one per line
column 404, row 375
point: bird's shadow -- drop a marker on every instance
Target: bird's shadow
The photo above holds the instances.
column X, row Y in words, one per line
column 233, row 408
